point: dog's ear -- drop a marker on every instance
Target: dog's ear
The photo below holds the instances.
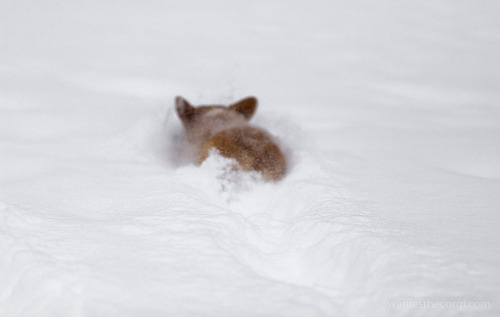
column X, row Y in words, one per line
column 246, row 107
column 184, row 110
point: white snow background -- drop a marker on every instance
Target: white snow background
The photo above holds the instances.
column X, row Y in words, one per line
column 389, row 111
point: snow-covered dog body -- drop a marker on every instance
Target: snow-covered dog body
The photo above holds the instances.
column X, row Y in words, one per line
column 226, row 129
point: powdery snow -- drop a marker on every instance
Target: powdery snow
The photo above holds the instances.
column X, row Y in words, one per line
column 389, row 112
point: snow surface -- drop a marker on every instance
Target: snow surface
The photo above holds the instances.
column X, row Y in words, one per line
column 389, row 111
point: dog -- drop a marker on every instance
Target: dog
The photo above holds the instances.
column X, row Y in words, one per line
column 226, row 129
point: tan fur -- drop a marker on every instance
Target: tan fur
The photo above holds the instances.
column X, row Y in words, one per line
column 227, row 130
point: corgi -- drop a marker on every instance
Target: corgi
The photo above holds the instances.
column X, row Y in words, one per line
column 226, row 129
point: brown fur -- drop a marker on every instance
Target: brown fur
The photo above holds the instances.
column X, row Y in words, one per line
column 227, row 130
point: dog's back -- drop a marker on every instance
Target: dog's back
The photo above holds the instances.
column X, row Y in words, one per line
column 226, row 129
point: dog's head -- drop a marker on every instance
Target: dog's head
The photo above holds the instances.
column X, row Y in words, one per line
column 204, row 121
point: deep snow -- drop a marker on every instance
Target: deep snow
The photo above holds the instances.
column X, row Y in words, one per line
column 390, row 113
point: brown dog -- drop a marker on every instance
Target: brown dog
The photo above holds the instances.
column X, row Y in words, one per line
column 227, row 130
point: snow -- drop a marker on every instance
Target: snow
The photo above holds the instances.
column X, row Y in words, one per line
column 389, row 112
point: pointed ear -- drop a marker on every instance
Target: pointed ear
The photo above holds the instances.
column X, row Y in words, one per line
column 246, row 107
column 184, row 110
